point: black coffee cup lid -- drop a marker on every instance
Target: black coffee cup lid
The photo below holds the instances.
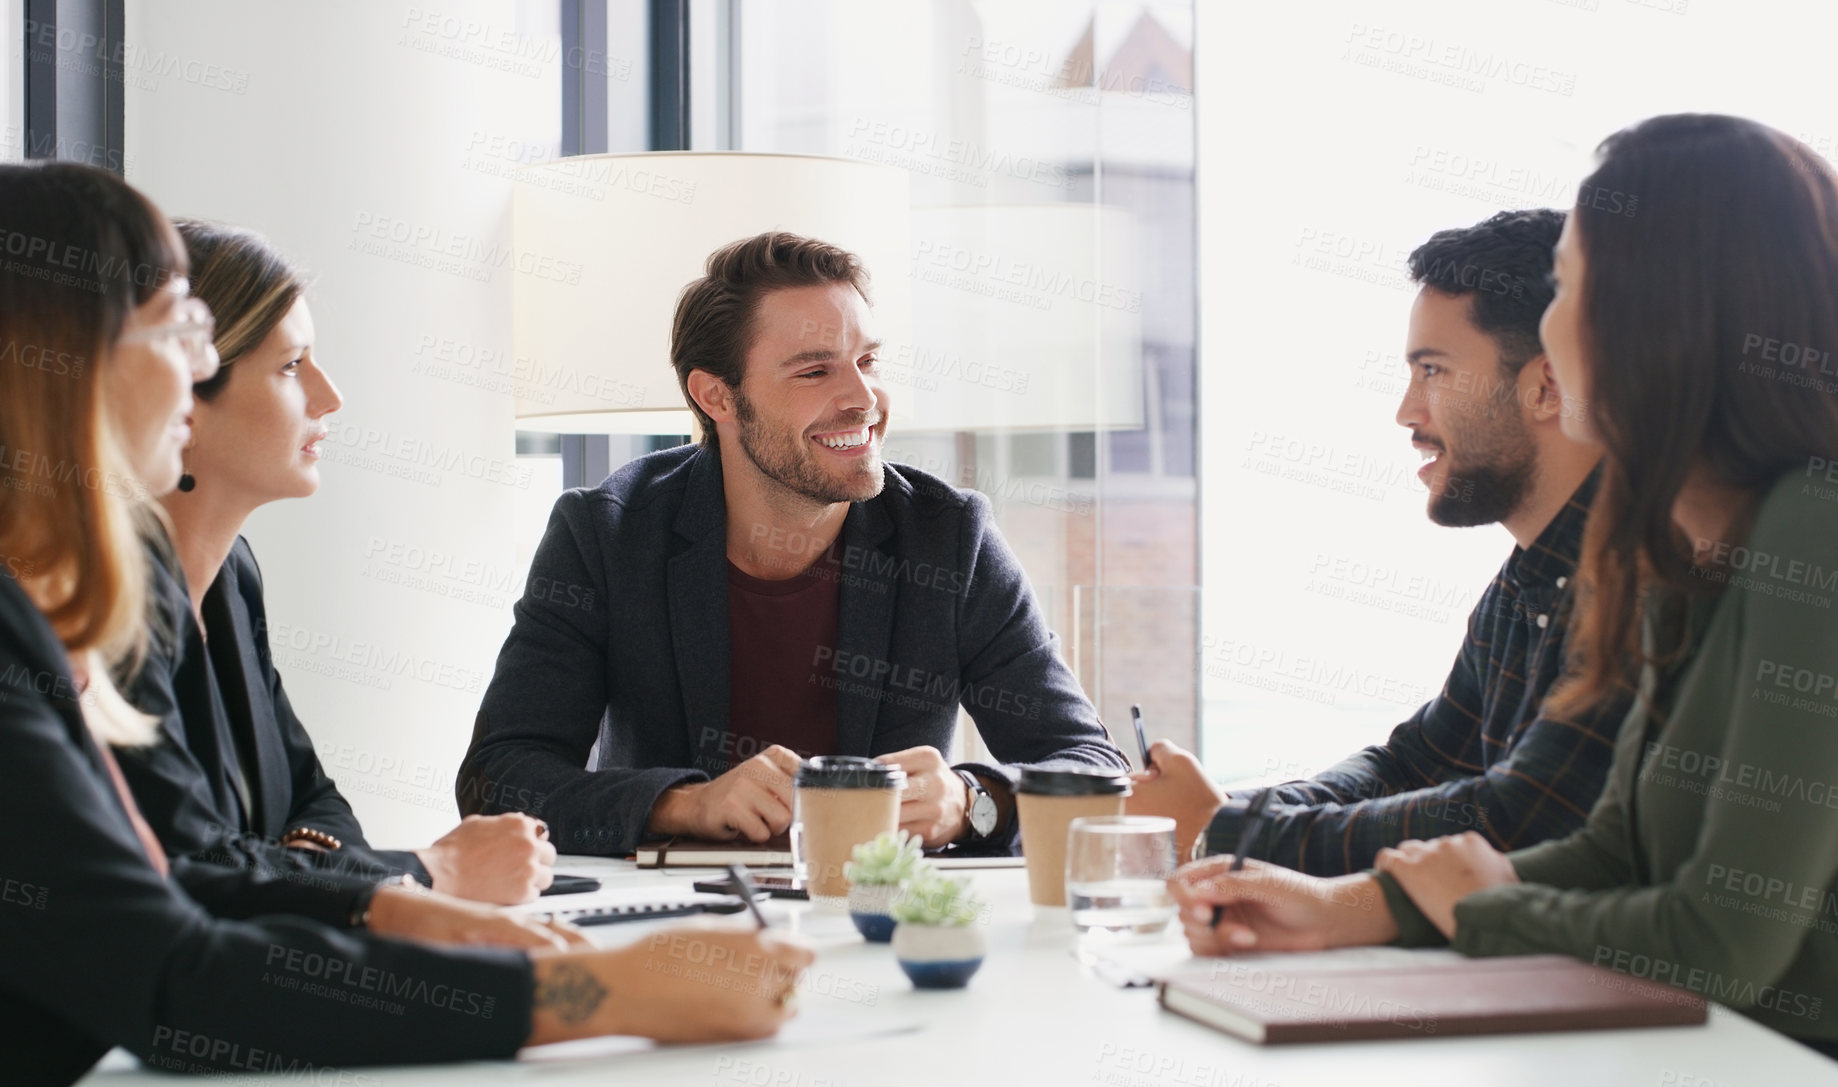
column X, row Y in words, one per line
column 1039, row 781
column 849, row 772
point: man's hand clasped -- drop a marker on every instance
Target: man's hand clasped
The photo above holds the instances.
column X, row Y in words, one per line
column 753, row 800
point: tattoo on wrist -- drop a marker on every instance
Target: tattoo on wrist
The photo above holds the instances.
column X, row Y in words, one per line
column 570, row 991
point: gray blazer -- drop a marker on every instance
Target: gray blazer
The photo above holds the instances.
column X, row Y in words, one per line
column 613, row 685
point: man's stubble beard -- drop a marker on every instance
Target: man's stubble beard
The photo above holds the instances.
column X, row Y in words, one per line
column 1493, row 490
column 794, row 467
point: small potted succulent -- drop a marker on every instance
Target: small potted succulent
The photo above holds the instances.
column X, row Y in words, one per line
column 875, row 874
column 938, row 942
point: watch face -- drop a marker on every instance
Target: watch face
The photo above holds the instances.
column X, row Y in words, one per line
column 983, row 814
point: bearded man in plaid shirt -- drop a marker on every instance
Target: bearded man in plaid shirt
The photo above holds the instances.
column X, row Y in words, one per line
column 1483, row 408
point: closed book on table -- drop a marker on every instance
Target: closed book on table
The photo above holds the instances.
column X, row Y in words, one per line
column 692, row 853
column 1262, row 1001
column 776, row 853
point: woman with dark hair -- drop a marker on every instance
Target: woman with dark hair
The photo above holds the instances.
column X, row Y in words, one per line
column 239, row 781
column 108, row 941
column 1691, row 331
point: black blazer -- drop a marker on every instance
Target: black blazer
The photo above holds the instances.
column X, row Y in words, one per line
column 621, row 640
column 237, row 769
column 97, row 951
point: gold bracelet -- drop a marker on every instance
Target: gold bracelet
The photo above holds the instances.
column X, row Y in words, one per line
column 308, row 834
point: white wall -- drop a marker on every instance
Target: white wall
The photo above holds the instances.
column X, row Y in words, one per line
column 1333, row 138
column 12, row 83
column 325, row 125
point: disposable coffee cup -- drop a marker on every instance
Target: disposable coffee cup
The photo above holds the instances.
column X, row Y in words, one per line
column 840, row 802
column 1047, row 802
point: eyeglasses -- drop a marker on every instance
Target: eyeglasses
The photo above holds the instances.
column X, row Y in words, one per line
column 195, row 330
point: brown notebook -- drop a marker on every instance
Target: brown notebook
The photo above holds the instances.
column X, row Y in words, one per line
column 776, row 853
column 693, row 853
column 1262, row 1001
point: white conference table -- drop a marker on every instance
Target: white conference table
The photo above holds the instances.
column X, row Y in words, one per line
column 1034, row 1015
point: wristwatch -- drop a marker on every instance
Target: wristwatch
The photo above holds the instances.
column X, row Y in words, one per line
column 360, row 906
column 982, row 806
column 1198, row 851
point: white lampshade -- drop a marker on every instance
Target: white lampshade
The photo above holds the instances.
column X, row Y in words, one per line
column 605, row 243
column 1025, row 317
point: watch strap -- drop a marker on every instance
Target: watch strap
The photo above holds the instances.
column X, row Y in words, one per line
column 979, row 794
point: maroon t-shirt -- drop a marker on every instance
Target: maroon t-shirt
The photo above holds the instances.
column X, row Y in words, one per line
column 781, row 688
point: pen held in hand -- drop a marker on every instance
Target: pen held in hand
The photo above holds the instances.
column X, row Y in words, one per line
column 743, row 886
column 1247, row 837
column 1142, row 738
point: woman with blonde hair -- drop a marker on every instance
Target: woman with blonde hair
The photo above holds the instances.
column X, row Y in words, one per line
column 106, row 941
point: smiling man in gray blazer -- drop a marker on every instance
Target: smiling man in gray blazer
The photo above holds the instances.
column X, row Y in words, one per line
column 711, row 614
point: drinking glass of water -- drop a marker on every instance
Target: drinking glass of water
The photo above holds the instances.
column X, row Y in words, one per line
column 1117, row 869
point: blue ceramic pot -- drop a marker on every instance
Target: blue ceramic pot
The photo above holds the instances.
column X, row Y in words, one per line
column 939, row 956
column 868, row 908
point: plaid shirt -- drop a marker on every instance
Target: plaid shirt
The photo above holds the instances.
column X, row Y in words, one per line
column 1481, row 755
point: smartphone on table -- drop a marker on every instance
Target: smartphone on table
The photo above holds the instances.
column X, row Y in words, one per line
column 776, row 885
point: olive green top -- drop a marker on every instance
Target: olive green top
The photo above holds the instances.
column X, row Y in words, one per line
column 1709, row 860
